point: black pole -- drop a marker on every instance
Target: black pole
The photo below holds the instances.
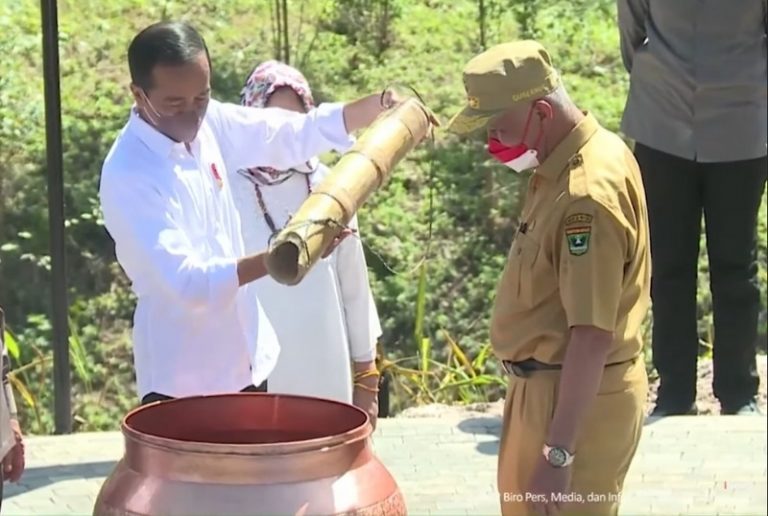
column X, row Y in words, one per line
column 61, row 379
column 481, row 21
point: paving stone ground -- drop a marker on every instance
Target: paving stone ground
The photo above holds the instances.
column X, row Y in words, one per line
column 447, row 466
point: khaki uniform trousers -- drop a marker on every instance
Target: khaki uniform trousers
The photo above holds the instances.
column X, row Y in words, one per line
column 604, row 450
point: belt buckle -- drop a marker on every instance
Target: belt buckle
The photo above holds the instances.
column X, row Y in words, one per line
column 514, row 369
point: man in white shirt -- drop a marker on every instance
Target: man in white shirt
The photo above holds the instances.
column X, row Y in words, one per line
column 198, row 327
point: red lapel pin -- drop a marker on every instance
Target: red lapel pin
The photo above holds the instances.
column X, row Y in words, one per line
column 216, row 175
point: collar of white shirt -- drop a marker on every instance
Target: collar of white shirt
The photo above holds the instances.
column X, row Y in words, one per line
column 152, row 138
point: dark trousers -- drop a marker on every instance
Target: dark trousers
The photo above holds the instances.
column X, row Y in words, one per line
column 154, row 396
column 728, row 194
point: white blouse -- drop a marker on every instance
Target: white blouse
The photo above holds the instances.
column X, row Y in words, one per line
column 326, row 321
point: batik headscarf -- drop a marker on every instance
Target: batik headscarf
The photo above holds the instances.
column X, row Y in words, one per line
column 268, row 77
column 264, row 80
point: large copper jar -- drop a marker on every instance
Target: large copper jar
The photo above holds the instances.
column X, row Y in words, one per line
column 248, row 454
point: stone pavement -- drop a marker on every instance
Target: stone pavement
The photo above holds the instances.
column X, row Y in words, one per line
column 445, row 466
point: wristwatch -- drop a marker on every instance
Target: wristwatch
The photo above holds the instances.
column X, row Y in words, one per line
column 557, row 457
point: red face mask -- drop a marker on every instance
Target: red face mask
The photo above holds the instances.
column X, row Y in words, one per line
column 519, row 157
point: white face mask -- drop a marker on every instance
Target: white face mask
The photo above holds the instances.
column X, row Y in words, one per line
column 518, row 158
column 526, row 161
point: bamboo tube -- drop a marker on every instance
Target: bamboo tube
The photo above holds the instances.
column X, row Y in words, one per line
column 361, row 171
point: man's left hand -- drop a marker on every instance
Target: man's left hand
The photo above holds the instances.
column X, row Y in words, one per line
column 14, row 463
column 546, row 483
column 362, row 112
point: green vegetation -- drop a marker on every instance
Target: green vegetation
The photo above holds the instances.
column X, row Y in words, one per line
column 434, row 295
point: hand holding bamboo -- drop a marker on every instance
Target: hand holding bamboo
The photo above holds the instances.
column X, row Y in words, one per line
column 361, row 171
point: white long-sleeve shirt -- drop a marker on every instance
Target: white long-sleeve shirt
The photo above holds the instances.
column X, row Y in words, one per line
column 327, row 320
column 177, row 236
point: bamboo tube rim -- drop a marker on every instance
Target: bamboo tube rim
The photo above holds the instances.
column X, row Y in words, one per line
column 284, row 263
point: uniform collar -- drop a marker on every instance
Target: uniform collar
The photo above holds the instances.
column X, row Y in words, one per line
column 562, row 154
column 152, row 138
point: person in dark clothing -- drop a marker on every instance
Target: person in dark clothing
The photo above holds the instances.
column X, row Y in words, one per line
column 697, row 112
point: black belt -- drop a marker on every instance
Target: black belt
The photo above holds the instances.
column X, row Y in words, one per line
column 156, row 396
column 524, row 368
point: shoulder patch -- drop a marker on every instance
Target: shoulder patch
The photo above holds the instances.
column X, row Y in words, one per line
column 578, row 218
column 578, row 239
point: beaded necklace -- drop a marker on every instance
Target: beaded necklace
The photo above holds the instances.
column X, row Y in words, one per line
column 256, row 177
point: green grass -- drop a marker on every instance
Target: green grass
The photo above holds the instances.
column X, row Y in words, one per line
column 437, row 235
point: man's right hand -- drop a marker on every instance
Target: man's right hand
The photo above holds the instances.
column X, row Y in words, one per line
column 251, row 268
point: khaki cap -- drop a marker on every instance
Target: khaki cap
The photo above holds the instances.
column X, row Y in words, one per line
column 501, row 77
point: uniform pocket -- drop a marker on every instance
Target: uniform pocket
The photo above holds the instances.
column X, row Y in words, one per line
column 624, row 378
column 522, row 257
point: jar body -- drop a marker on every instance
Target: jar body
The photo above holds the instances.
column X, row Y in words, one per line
column 261, row 459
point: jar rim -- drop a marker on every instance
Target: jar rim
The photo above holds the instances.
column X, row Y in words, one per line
column 159, row 424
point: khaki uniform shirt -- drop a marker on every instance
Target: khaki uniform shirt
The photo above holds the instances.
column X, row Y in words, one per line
column 581, row 256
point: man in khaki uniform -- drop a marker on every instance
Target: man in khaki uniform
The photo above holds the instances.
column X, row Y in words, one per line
column 573, row 295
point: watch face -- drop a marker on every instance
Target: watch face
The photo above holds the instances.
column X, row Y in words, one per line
column 557, row 457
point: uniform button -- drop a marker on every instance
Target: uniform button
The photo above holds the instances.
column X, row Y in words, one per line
column 577, row 161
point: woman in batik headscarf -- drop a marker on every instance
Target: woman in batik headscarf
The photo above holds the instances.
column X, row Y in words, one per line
column 327, row 325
